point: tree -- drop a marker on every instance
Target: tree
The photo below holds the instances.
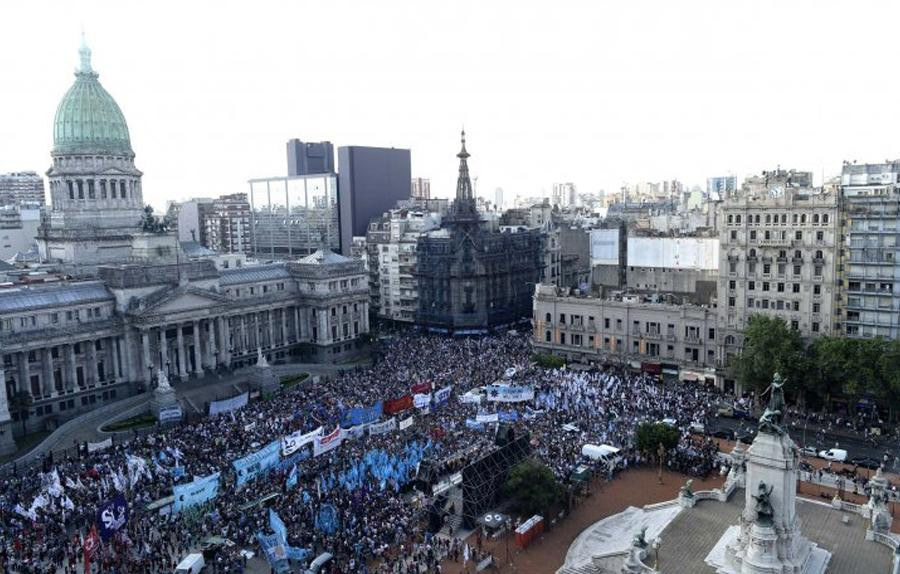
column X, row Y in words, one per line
column 770, row 347
column 532, row 487
column 649, row 436
column 20, row 402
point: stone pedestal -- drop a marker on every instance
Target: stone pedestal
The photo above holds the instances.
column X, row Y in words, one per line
column 163, row 395
column 263, row 377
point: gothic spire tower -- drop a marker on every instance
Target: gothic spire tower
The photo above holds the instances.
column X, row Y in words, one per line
column 464, row 206
column 95, row 189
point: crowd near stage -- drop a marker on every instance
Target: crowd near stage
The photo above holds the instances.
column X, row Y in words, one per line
column 381, row 469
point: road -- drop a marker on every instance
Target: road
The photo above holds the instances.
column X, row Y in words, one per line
column 855, row 446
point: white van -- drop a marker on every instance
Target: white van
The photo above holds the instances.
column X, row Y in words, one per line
column 191, row 564
column 834, row 454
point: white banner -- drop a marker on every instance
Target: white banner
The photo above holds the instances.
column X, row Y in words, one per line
column 405, row 424
column 323, row 444
column 383, row 427
column 421, row 401
column 487, row 418
column 172, row 413
column 295, row 441
column 467, row 398
column 510, row 394
column 228, row 405
column 95, row 446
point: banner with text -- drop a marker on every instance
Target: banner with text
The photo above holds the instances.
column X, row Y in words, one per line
column 331, row 441
column 228, row 405
column 405, row 424
column 509, row 394
column 193, row 493
column 422, row 401
column 252, row 465
column 441, row 397
column 362, row 415
column 395, row 406
column 295, row 441
column 383, row 427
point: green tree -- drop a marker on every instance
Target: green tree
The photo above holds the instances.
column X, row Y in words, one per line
column 532, row 487
column 20, row 402
column 549, row 361
column 649, row 436
column 770, row 346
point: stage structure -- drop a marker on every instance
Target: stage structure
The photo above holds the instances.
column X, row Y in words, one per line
column 483, row 479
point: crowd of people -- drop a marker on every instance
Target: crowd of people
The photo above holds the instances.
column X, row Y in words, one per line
column 379, row 524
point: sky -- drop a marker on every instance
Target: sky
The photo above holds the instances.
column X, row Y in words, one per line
column 596, row 93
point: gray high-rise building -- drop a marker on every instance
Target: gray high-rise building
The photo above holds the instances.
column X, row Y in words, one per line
column 309, row 158
column 371, row 181
column 21, row 188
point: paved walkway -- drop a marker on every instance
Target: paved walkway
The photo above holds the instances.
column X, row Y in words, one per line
column 193, row 395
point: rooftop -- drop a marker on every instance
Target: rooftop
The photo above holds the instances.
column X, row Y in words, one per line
column 54, row 295
column 254, row 273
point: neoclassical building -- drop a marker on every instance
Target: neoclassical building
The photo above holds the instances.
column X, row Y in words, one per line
column 71, row 346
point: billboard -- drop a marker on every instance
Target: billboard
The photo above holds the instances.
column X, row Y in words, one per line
column 604, row 247
column 674, row 252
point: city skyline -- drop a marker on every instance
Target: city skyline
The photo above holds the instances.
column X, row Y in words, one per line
column 210, row 107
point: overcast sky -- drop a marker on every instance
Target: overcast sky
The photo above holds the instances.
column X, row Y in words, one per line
column 597, row 93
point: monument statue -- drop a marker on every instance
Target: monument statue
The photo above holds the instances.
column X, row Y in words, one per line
column 772, row 418
column 687, row 489
column 640, row 540
column 764, row 510
column 162, row 381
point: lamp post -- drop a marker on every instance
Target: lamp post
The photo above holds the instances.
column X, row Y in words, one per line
column 660, row 454
column 656, row 544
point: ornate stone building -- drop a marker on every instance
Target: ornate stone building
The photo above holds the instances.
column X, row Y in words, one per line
column 71, row 346
column 472, row 277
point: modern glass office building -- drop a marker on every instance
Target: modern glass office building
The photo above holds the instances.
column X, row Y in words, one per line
column 294, row 216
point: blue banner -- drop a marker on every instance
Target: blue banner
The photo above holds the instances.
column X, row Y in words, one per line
column 197, row 492
column 362, row 415
column 327, row 519
column 299, row 554
column 508, row 416
column 441, row 397
column 111, row 516
column 474, row 425
column 177, row 472
column 271, row 547
column 277, row 526
column 252, row 465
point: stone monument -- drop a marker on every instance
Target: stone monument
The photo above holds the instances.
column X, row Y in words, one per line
column 163, row 394
column 876, row 508
column 263, row 376
column 768, row 539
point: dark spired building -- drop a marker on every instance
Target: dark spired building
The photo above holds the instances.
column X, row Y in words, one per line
column 471, row 277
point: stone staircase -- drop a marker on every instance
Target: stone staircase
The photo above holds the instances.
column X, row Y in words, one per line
column 585, row 568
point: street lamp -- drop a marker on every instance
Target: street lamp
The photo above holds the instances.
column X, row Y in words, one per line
column 656, row 544
column 660, row 453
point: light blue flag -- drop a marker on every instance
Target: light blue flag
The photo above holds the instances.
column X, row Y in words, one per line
column 277, row 526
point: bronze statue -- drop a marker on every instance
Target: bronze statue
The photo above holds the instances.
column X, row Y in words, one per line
column 764, row 511
column 640, row 540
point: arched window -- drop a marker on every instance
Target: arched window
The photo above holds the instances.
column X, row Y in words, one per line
column 729, row 340
column 548, row 336
column 784, row 218
column 819, row 254
column 815, row 218
column 824, row 218
column 802, row 218
column 752, row 253
column 549, row 317
column 797, row 254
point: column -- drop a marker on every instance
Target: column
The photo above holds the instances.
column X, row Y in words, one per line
column 284, row 330
column 47, row 386
column 148, row 360
column 164, row 351
column 243, row 342
column 298, row 330
column 198, row 356
column 324, row 332
column 114, row 353
column 365, row 317
column 182, row 356
column 90, row 367
column 72, row 378
column 128, row 357
column 210, row 328
column 270, row 315
column 24, row 372
column 224, row 343
column 4, row 399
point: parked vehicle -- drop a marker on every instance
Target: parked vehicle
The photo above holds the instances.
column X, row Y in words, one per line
column 698, row 428
column 808, row 451
column 866, row 462
column 727, row 434
column 834, row 454
column 191, row 564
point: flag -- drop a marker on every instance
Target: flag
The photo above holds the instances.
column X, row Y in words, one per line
column 90, row 546
column 111, row 516
column 292, row 478
column 466, row 554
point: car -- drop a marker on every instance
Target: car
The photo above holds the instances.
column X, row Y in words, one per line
column 727, row 434
column 725, row 411
column 866, row 462
column 808, row 451
column 747, row 436
column 669, row 421
column 698, row 428
column 834, row 454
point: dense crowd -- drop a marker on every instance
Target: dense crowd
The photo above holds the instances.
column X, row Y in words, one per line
column 379, row 525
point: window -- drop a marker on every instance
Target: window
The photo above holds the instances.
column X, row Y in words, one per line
column 733, row 235
column 737, row 218
column 767, row 268
column 562, row 338
column 796, row 270
column 750, row 302
column 751, row 267
column 820, row 235
column 752, row 235
column 731, row 301
column 795, row 288
column 817, row 307
column 815, row 327
column 547, row 336
column 712, row 333
column 562, row 318
column 798, row 235
column 796, row 305
column 730, row 218
column 779, row 305
column 731, row 285
column 824, row 218
column 803, row 218
column 751, row 285
column 817, row 271
column 548, row 317
column 817, row 289
column 606, row 323
column 781, row 287
column 815, row 218
column 765, row 286
column 795, row 325
column 334, row 311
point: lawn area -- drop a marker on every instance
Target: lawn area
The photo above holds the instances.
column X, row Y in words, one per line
column 291, row 380
column 138, row 421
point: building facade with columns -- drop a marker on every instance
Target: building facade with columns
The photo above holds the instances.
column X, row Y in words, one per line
column 72, row 346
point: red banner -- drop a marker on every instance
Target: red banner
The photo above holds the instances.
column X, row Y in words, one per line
column 421, row 389
column 394, row 406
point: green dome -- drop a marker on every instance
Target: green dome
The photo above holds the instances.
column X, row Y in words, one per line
column 88, row 120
